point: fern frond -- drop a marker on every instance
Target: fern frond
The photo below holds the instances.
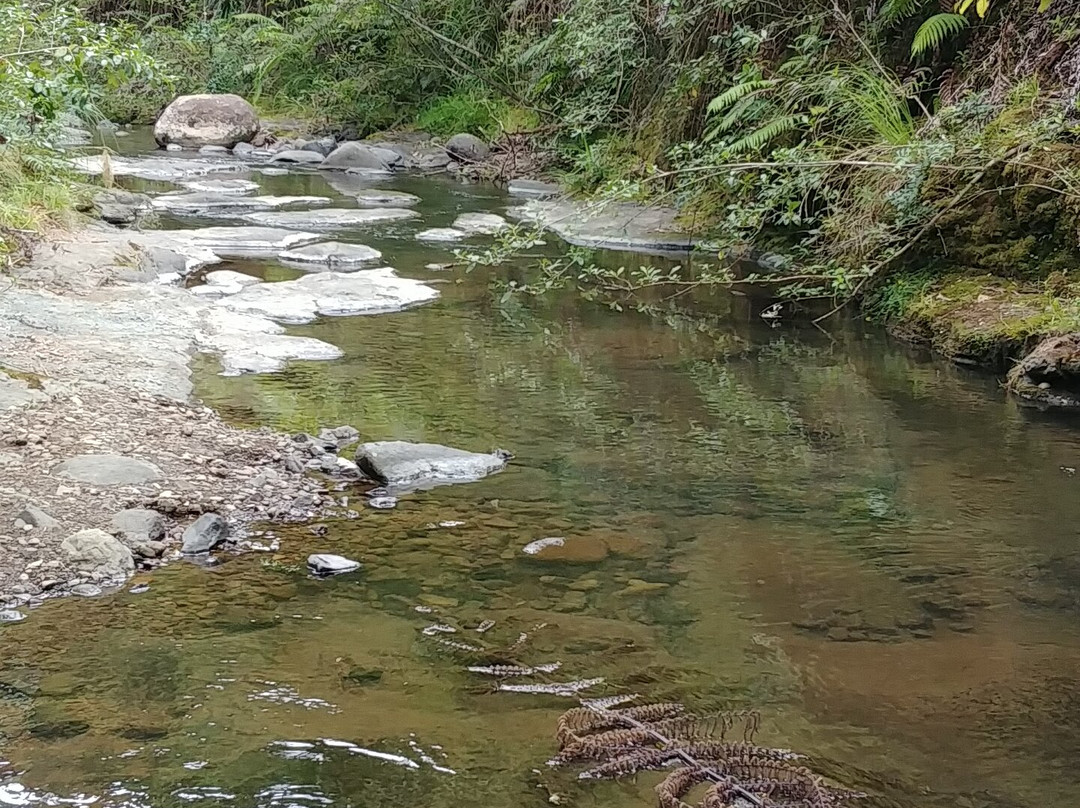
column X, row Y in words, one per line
column 936, row 30
column 760, row 138
column 894, row 11
column 739, row 91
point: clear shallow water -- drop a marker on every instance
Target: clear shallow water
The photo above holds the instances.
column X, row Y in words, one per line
column 877, row 550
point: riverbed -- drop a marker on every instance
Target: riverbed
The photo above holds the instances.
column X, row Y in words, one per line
column 875, row 549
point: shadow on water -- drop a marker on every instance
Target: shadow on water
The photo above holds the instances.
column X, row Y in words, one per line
column 876, row 549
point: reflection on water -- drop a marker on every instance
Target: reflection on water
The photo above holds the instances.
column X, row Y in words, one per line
column 877, row 550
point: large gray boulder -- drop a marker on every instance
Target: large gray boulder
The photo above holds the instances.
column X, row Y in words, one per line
column 468, row 148
column 400, row 464
column 204, row 534
column 98, row 553
column 362, row 156
column 106, row 470
column 138, row 525
column 207, row 120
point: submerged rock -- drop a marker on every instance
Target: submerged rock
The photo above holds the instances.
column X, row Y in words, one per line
column 97, row 552
column 397, row 199
column 331, row 254
column 206, row 533
column 331, row 294
column 628, row 226
column 107, row 470
column 297, row 156
column 485, row 224
column 330, row 564
column 120, row 207
column 400, row 464
column 441, row 234
column 233, row 187
column 202, row 120
column 1050, row 374
column 330, row 219
column 247, row 343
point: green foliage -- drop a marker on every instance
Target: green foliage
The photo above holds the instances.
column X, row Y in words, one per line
column 936, row 30
column 469, row 111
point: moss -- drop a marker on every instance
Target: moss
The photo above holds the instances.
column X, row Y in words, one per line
column 32, row 380
column 987, row 320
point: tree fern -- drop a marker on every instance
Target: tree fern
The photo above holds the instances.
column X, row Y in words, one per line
column 734, row 94
column 935, row 31
column 735, row 115
column 760, row 138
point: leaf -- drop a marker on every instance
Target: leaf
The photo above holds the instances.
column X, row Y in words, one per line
column 981, row 7
column 936, row 30
column 760, row 138
column 738, row 92
column 1044, row 5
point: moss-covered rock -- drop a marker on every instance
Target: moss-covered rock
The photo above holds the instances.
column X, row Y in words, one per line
column 1050, row 374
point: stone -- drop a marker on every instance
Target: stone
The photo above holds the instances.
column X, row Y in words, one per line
column 329, row 218
column 400, row 464
column 383, row 503
column 244, row 242
column 85, row 590
column 441, row 234
column 330, row 294
column 394, row 199
column 298, row 156
column 1049, row 376
column 467, row 148
column 363, row 156
column 625, row 226
column 438, row 601
column 120, row 207
column 363, row 676
column 11, row 616
column 207, row 120
column 35, row 517
column 235, row 205
column 572, row 601
column 233, row 187
column 96, row 552
column 636, row 586
column 570, row 549
column 204, row 534
column 173, row 147
column 323, row 145
column 230, row 278
column 138, row 526
column 484, row 224
column 331, row 255
column 211, row 150
column 108, row 470
column 247, row 343
column 533, row 189
column 243, row 149
column 329, row 564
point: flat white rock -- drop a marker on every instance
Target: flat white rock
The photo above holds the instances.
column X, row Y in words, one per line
column 484, row 224
column 441, row 234
column 247, row 343
column 330, row 219
column 227, row 277
column 243, row 241
column 331, row 254
column 330, row 294
column 236, row 187
column 330, row 564
column 168, row 169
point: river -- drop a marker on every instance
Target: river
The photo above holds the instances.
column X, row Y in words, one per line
column 875, row 549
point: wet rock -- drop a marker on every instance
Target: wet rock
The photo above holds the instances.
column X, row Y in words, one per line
column 441, row 234
column 323, row 145
column 383, row 503
column 533, row 189
column 329, row 218
column 298, row 156
column 243, row 149
column 247, row 343
column 85, row 590
column 218, row 205
column 485, row 224
column 572, row 601
column 11, row 616
column 363, row 676
column 467, row 148
column 206, row 533
column 95, row 551
column 329, row 564
column 363, row 156
column 378, row 198
column 201, row 120
column 331, row 254
column 245, row 241
column 637, row 586
column 330, row 294
column 120, row 207
column 107, row 470
column 36, row 517
column 229, row 278
column 567, row 549
column 232, row 187
column 212, row 150
column 138, row 525
column 339, row 436
column 400, row 464
column 1050, row 375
